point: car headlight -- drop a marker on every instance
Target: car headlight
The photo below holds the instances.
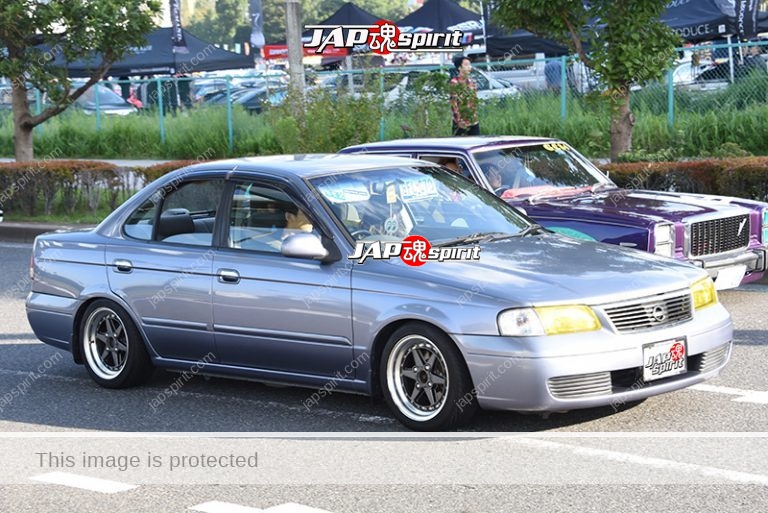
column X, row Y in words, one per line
column 703, row 292
column 664, row 239
column 547, row 320
column 765, row 226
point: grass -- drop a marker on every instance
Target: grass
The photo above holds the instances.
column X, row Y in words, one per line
column 704, row 122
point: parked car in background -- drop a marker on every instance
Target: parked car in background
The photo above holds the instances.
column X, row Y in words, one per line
column 487, row 87
column 226, row 266
column 562, row 190
column 108, row 102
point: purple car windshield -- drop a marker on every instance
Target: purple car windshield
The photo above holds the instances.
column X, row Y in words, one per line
column 538, row 170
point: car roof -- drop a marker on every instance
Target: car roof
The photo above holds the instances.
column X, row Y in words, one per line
column 464, row 143
column 297, row 165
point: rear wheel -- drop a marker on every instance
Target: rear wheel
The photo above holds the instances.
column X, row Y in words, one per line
column 115, row 355
column 425, row 380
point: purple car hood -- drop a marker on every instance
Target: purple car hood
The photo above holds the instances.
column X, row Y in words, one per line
column 623, row 204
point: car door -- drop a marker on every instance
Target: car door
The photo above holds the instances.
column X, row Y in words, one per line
column 271, row 312
column 162, row 268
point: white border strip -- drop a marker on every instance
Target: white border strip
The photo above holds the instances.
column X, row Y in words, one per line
column 469, row 435
column 93, row 484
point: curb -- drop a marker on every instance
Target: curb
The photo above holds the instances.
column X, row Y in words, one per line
column 26, row 232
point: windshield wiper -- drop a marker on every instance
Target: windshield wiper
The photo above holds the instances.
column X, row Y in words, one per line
column 469, row 239
column 551, row 192
column 530, row 230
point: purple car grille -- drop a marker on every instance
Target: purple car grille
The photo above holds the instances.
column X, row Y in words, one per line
column 719, row 235
column 652, row 312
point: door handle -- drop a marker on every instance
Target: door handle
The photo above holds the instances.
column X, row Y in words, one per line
column 123, row 266
column 228, row 276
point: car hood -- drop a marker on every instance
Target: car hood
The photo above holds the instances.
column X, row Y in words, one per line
column 622, row 204
column 547, row 268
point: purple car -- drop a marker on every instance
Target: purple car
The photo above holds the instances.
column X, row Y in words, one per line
column 560, row 189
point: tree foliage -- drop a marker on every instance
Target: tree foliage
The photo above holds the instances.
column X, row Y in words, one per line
column 623, row 42
column 35, row 34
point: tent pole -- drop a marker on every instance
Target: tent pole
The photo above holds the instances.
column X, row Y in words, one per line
column 730, row 57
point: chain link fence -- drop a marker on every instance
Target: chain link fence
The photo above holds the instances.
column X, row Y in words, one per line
column 725, row 84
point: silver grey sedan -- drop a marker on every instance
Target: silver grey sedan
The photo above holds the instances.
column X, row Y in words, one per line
column 374, row 275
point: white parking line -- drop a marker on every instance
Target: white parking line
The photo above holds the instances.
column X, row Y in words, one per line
column 622, row 457
column 228, row 507
column 93, row 484
column 744, row 396
column 292, row 507
column 223, row 507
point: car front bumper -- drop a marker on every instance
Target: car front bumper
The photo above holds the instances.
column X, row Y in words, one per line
column 754, row 259
column 593, row 369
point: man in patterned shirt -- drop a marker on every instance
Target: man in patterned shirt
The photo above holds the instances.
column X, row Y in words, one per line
column 463, row 90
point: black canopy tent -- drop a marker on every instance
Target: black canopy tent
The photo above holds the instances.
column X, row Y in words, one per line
column 444, row 16
column 158, row 57
column 347, row 14
column 704, row 20
column 521, row 42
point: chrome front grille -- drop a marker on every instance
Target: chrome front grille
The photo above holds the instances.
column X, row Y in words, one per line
column 719, row 235
column 580, row 385
column 711, row 360
column 650, row 312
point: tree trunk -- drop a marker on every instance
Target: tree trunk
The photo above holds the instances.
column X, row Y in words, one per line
column 622, row 121
column 22, row 130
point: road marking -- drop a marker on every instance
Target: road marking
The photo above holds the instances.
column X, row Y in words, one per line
column 744, row 396
column 228, row 507
column 93, row 484
column 292, row 507
column 223, row 507
column 621, row 457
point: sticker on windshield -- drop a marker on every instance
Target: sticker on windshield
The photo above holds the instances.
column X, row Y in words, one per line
column 418, row 189
column 349, row 192
column 555, row 146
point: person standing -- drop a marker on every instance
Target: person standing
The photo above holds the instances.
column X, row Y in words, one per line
column 464, row 102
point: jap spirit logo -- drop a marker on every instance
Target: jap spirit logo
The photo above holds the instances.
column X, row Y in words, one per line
column 670, row 361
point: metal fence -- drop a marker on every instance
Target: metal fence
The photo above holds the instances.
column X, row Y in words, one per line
column 706, row 79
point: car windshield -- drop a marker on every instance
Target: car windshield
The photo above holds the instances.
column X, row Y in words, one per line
column 394, row 203
column 540, row 169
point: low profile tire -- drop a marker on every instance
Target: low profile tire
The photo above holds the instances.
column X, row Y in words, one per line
column 114, row 352
column 425, row 380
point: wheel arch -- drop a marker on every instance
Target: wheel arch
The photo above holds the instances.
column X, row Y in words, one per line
column 77, row 350
column 380, row 340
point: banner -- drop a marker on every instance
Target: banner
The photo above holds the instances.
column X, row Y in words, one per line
column 257, row 25
column 179, row 44
column 746, row 18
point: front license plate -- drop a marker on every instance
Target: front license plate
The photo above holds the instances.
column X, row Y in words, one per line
column 664, row 359
column 730, row 277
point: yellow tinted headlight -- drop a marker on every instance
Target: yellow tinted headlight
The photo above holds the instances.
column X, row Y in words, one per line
column 704, row 293
column 558, row 320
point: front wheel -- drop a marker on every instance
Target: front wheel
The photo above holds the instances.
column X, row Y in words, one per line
column 115, row 355
column 425, row 380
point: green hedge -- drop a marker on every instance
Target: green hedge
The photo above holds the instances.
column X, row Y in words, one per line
column 62, row 186
column 744, row 177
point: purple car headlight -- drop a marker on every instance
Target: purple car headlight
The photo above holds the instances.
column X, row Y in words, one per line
column 664, row 239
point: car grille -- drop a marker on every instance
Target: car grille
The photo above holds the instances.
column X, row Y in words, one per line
column 650, row 312
column 580, row 385
column 719, row 235
column 711, row 360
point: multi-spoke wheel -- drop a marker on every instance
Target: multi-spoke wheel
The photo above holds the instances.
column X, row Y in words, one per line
column 114, row 353
column 425, row 380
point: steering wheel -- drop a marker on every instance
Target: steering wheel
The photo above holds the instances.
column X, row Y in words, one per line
column 360, row 234
column 500, row 190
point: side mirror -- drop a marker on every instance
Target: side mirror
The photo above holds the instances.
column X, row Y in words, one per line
column 304, row 245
